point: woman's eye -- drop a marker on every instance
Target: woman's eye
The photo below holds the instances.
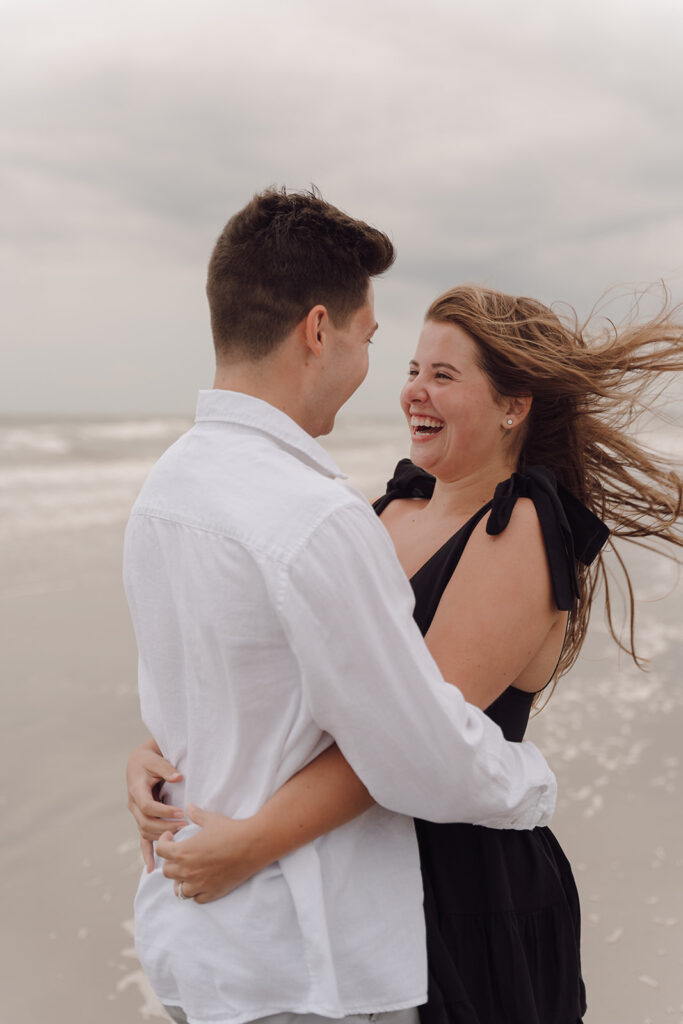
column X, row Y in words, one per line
column 442, row 376
column 412, row 373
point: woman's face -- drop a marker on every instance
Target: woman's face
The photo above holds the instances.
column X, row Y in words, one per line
column 456, row 422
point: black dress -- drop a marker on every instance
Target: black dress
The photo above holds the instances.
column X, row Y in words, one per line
column 501, row 906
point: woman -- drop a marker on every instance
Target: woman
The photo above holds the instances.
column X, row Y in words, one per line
column 518, row 444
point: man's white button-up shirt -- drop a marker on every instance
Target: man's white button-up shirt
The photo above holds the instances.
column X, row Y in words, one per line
column 271, row 615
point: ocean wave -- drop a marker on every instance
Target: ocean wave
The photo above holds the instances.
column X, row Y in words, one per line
column 69, row 496
column 41, row 442
column 134, row 430
column 45, row 440
column 63, row 475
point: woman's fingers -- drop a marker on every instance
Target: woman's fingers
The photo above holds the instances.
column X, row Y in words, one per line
column 146, row 760
column 167, row 849
column 151, row 827
column 209, row 897
column 145, row 771
column 152, row 831
column 180, row 867
column 160, row 768
column 189, row 893
column 147, row 849
column 173, row 871
column 213, row 861
column 200, row 894
column 154, row 809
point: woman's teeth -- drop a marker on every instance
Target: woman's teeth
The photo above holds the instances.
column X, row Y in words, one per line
column 425, row 425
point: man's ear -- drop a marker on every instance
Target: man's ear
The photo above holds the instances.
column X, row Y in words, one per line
column 315, row 325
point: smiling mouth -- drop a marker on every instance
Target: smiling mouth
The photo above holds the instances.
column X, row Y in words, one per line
column 425, row 426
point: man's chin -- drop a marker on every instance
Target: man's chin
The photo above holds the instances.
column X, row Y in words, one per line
column 325, row 426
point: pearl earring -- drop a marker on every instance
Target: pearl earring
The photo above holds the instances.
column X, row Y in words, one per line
column 509, row 423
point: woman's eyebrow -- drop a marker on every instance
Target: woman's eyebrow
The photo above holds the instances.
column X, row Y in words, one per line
column 435, row 366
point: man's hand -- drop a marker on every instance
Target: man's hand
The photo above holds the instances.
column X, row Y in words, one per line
column 216, row 860
column 146, row 768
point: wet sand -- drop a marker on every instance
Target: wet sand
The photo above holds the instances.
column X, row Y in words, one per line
column 69, row 861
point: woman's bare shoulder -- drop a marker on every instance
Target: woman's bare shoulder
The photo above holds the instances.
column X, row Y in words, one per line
column 402, row 508
column 516, row 553
column 497, row 609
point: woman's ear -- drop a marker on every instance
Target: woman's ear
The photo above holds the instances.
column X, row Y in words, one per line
column 516, row 408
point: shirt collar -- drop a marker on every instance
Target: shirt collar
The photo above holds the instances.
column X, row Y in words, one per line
column 248, row 411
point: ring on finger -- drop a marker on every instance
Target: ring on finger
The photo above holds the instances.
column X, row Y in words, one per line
column 180, row 894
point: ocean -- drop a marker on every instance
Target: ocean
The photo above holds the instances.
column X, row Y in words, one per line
column 69, row 860
column 60, row 475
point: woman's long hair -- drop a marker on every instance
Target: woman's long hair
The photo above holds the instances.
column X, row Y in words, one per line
column 588, row 388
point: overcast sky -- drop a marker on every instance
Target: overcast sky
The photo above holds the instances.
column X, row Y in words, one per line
column 533, row 146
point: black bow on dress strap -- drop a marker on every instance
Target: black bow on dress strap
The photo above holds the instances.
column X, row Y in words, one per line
column 409, row 481
column 570, row 530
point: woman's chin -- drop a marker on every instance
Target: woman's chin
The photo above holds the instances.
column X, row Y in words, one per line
column 421, row 456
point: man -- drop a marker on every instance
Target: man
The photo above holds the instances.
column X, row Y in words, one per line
column 272, row 615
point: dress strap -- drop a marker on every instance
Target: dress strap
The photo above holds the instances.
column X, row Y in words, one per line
column 408, row 481
column 571, row 532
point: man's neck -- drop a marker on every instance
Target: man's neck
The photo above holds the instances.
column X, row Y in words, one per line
column 264, row 380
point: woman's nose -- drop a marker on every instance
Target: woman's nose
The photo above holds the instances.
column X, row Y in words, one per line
column 414, row 389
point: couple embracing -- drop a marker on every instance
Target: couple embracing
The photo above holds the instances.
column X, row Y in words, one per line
column 313, row 670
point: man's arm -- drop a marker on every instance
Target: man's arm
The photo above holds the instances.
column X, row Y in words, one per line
column 465, row 770
column 327, row 792
column 371, row 683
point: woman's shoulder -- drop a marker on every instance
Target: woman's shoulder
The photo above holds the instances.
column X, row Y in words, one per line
column 523, row 517
column 537, row 503
column 553, row 503
column 521, row 532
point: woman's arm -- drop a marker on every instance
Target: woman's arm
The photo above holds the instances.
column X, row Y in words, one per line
column 493, row 625
column 495, row 615
column 322, row 796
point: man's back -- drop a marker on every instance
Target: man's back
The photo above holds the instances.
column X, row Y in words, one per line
column 214, row 530
column 271, row 613
column 209, row 544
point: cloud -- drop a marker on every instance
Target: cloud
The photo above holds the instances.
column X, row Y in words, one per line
column 534, row 148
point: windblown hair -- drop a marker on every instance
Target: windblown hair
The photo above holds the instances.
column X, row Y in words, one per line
column 284, row 253
column 588, row 387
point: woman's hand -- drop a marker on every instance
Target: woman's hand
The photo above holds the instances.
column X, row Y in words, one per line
column 146, row 768
column 216, row 860
column 227, row 852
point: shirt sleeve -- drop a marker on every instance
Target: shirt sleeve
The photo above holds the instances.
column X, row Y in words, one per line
column 371, row 683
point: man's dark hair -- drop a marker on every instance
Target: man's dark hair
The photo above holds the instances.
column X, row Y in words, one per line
column 284, row 253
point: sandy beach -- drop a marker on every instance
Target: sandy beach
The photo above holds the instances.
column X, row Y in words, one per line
column 69, row 860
